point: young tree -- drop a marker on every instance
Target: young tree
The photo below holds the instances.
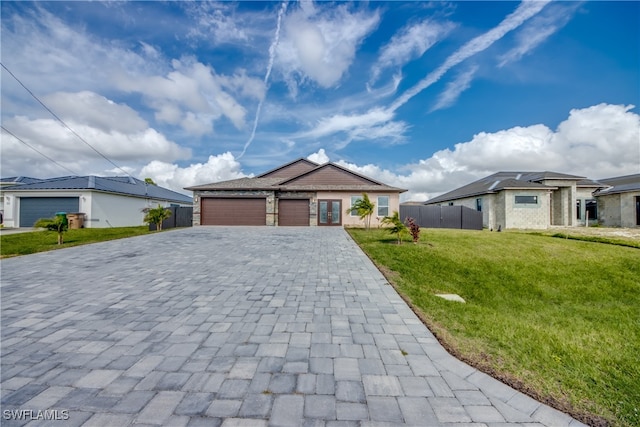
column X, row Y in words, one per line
column 396, row 226
column 364, row 208
column 156, row 216
column 58, row 224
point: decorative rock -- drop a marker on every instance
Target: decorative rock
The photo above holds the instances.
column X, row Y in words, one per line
column 451, row 297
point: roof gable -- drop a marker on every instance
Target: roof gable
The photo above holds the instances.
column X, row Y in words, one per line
column 330, row 174
column 290, row 169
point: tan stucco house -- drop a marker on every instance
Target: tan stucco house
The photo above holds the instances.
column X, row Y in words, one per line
column 299, row 193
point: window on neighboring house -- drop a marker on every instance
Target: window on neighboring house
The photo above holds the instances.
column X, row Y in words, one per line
column 354, row 199
column 526, row 200
column 450, row 203
column 578, row 209
column 591, row 208
column 479, row 204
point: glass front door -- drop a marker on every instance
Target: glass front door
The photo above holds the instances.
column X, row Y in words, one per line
column 329, row 212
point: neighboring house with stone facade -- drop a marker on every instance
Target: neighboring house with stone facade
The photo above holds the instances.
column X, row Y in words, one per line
column 528, row 199
column 299, row 193
column 619, row 202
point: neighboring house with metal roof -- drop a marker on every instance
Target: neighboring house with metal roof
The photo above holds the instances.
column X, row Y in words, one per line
column 527, row 199
column 103, row 201
column 619, row 201
column 299, row 193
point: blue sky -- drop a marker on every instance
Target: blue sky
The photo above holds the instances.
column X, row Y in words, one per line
column 426, row 96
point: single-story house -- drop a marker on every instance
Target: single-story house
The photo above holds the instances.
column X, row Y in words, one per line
column 299, row 193
column 528, row 199
column 619, row 202
column 103, row 201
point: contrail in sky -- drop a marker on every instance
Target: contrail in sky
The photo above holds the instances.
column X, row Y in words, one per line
column 272, row 55
column 526, row 10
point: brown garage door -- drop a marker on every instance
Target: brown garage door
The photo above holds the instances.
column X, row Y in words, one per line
column 230, row 211
column 293, row 212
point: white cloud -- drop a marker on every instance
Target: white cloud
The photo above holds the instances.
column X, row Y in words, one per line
column 212, row 22
column 218, row 168
column 525, row 11
column 114, row 130
column 319, row 157
column 596, row 142
column 96, row 111
column 372, row 124
column 539, row 29
column 194, row 95
column 412, row 41
column 319, row 44
column 454, row 88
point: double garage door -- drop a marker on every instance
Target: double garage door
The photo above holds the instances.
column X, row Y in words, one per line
column 34, row 208
column 247, row 211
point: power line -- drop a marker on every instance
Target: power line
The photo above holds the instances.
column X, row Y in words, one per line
column 62, row 121
column 37, row 151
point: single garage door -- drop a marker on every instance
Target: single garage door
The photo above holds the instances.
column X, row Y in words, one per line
column 293, row 212
column 34, row 208
column 230, row 211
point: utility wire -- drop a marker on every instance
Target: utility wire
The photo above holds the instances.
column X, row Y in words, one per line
column 37, row 151
column 62, row 121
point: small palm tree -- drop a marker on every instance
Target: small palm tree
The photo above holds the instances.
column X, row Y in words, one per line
column 396, row 226
column 364, row 208
column 58, row 224
column 156, row 216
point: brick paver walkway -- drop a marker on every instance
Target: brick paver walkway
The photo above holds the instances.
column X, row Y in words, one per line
column 234, row 327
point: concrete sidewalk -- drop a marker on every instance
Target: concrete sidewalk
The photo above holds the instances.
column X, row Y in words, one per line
column 240, row 326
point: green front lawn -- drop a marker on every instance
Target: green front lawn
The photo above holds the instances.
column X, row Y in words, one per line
column 557, row 318
column 40, row 241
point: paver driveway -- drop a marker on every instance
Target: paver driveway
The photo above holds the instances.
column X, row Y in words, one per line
column 231, row 326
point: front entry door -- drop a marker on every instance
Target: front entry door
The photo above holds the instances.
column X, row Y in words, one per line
column 329, row 212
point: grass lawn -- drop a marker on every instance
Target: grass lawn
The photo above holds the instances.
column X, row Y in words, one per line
column 556, row 318
column 40, row 241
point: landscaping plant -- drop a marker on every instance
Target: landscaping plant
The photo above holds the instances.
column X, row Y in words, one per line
column 414, row 229
column 364, row 208
column 156, row 216
column 59, row 224
column 396, row 226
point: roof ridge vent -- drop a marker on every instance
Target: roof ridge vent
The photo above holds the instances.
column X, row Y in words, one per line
column 131, row 180
column 92, row 182
column 494, row 185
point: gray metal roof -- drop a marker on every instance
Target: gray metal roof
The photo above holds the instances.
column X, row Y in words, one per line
column 118, row 185
column 17, row 180
column 503, row 181
column 619, row 184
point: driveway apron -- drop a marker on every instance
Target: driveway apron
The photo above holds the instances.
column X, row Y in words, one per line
column 241, row 326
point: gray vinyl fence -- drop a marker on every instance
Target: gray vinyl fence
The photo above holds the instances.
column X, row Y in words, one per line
column 432, row 216
column 181, row 216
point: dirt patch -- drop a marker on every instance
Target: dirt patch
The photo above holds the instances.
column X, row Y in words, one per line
column 625, row 233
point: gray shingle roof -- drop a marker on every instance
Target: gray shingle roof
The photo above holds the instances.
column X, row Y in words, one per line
column 289, row 184
column 118, row 185
column 619, row 184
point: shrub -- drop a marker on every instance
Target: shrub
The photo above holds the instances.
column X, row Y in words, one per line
column 414, row 229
